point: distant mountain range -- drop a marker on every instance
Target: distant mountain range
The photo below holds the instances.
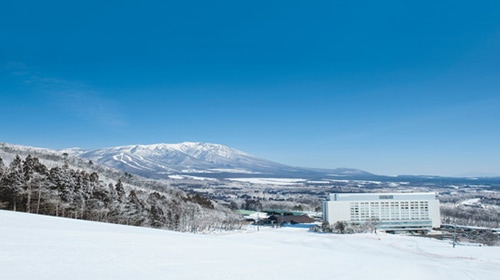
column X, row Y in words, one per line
column 194, row 158
column 218, row 161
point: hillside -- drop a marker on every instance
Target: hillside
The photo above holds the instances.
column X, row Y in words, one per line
column 210, row 160
column 52, row 183
column 41, row 247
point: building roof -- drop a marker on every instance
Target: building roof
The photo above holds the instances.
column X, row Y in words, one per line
column 382, row 196
column 304, row 219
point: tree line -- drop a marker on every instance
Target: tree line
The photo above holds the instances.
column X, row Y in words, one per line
column 469, row 216
column 28, row 185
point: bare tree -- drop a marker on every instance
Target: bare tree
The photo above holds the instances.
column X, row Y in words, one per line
column 340, row 226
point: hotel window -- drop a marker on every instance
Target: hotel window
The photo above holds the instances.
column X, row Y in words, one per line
column 364, row 211
column 405, row 210
column 395, row 210
column 384, row 211
column 424, row 210
column 375, row 210
column 414, row 211
column 354, row 211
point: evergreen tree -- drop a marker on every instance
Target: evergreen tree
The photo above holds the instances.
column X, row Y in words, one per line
column 28, row 185
column 2, row 168
column 120, row 191
column 12, row 185
column 134, row 210
column 35, row 176
column 28, row 170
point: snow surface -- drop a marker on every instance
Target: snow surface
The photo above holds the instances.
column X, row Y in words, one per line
column 174, row 158
column 271, row 181
column 42, row 247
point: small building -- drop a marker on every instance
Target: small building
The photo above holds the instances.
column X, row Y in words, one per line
column 289, row 219
column 387, row 211
column 252, row 216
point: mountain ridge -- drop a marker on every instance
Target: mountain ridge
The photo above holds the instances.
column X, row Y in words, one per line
column 163, row 159
column 144, row 166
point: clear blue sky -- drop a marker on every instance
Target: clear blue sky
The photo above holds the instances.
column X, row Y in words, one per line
column 390, row 87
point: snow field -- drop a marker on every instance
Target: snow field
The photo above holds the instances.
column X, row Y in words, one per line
column 42, row 247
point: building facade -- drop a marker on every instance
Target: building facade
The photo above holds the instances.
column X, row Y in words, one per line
column 387, row 211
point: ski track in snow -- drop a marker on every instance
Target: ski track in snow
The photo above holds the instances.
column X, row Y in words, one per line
column 42, row 247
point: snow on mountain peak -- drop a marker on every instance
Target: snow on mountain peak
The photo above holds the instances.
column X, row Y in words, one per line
column 198, row 149
column 193, row 149
column 171, row 158
column 162, row 160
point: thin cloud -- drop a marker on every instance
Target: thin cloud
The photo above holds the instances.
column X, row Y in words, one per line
column 91, row 106
column 74, row 97
column 16, row 68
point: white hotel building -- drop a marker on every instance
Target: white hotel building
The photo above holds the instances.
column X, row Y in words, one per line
column 390, row 211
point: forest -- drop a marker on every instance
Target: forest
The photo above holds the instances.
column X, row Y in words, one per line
column 28, row 185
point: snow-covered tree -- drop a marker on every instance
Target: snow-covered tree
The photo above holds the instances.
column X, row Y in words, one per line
column 13, row 184
column 28, row 185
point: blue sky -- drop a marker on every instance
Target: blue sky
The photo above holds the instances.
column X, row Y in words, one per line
column 390, row 87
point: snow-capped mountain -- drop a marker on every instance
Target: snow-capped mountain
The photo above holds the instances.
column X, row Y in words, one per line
column 161, row 160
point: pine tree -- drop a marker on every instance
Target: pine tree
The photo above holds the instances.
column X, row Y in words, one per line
column 134, row 210
column 28, row 171
column 3, row 204
column 120, row 191
column 2, row 168
column 12, row 184
column 35, row 176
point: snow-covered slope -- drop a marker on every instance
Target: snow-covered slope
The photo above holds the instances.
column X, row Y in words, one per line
column 42, row 247
column 188, row 157
column 70, row 186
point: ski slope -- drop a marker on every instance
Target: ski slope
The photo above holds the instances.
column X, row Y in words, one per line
column 42, row 247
